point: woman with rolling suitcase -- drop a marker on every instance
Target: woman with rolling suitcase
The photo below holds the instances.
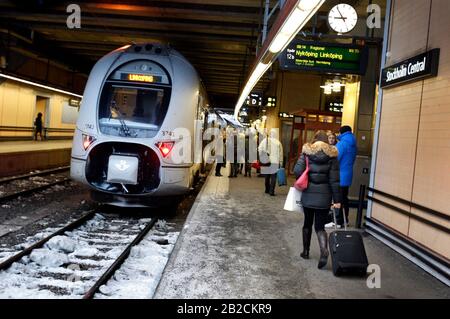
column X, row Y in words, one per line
column 323, row 189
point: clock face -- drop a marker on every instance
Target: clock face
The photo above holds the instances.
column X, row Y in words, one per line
column 342, row 18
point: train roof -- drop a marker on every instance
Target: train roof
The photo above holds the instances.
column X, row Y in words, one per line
column 150, row 49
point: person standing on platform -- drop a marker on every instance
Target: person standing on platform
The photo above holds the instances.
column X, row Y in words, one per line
column 332, row 138
column 232, row 152
column 271, row 155
column 38, row 127
column 347, row 157
column 323, row 189
column 248, row 165
column 219, row 153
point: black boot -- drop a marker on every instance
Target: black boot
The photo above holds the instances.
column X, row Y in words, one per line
column 323, row 244
column 306, row 243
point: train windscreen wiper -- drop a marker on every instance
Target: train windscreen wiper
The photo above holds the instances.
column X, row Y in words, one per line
column 123, row 126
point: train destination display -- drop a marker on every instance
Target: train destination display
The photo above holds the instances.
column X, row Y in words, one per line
column 330, row 58
column 141, row 78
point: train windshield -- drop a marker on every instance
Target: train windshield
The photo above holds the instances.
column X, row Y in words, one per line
column 132, row 111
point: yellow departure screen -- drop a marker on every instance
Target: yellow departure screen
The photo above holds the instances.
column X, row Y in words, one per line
column 141, row 78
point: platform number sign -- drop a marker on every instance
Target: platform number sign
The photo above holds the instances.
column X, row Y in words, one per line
column 254, row 99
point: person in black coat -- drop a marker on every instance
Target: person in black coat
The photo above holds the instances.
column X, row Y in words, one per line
column 38, row 126
column 323, row 189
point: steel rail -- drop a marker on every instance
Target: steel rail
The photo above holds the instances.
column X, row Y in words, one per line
column 31, row 190
column 75, row 224
column 119, row 261
column 24, row 176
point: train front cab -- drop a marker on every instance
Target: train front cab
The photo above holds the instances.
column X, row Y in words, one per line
column 123, row 164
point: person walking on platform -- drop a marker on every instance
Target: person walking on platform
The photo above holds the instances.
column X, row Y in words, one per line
column 271, row 155
column 38, row 127
column 347, row 156
column 323, row 189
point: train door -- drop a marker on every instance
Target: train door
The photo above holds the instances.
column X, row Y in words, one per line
column 42, row 106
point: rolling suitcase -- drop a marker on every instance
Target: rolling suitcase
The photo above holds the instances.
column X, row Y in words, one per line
column 348, row 255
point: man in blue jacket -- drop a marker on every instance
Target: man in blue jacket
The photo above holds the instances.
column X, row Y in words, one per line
column 347, row 156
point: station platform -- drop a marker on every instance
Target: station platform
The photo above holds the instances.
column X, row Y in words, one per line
column 239, row 243
column 21, row 157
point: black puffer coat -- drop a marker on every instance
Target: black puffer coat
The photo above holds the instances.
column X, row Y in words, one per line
column 323, row 175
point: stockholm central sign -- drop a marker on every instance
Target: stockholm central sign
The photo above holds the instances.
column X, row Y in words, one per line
column 414, row 69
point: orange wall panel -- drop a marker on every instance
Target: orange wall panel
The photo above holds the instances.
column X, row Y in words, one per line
column 409, row 29
column 414, row 142
column 432, row 180
column 397, row 141
column 437, row 240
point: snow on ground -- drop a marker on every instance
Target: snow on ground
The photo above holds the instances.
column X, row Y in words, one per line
column 67, row 266
column 140, row 274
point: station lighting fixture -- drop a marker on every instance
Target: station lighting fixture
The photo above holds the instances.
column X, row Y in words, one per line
column 331, row 87
column 292, row 18
column 337, row 85
column 294, row 23
column 13, row 78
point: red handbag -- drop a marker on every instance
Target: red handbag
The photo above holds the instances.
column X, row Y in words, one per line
column 256, row 165
column 302, row 182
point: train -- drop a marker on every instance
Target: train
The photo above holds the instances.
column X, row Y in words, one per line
column 135, row 98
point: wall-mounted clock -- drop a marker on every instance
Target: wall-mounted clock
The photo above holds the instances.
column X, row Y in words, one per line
column 343, row 18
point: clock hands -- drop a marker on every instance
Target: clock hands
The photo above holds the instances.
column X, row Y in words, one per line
column 342, row 16
column 347, row 16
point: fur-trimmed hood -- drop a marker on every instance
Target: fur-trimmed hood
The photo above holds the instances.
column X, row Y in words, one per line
column 314, row 149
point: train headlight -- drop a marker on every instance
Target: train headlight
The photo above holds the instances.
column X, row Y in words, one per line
column 87, row 141
column 165, row 147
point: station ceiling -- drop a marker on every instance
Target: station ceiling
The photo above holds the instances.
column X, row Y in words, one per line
column 219, row 37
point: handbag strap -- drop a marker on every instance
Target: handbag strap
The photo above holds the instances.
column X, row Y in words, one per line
column 307, row 162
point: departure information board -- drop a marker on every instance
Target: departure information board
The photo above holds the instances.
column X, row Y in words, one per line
column 323, row 57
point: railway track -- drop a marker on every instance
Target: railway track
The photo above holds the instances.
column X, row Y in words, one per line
column 76, row 260
column 40, row 173
column 8, row 194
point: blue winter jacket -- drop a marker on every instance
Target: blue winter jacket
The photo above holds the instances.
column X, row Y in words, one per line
column 347, row 156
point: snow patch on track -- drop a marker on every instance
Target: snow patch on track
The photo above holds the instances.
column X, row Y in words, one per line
column 68, row 265
column 140, row 274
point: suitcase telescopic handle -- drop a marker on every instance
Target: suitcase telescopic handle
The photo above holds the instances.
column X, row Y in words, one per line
column 335, row 221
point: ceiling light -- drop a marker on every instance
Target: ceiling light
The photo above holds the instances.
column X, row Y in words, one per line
column 296, row 19
column 336, row 87
column 39, row 85
column 304, row 10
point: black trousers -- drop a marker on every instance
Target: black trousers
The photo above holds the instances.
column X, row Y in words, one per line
column 318, row 217
column 218, row 168
column 36, row 132
column 270, row 181
column 344, row 206
column 248, row 169
column 234, row 167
